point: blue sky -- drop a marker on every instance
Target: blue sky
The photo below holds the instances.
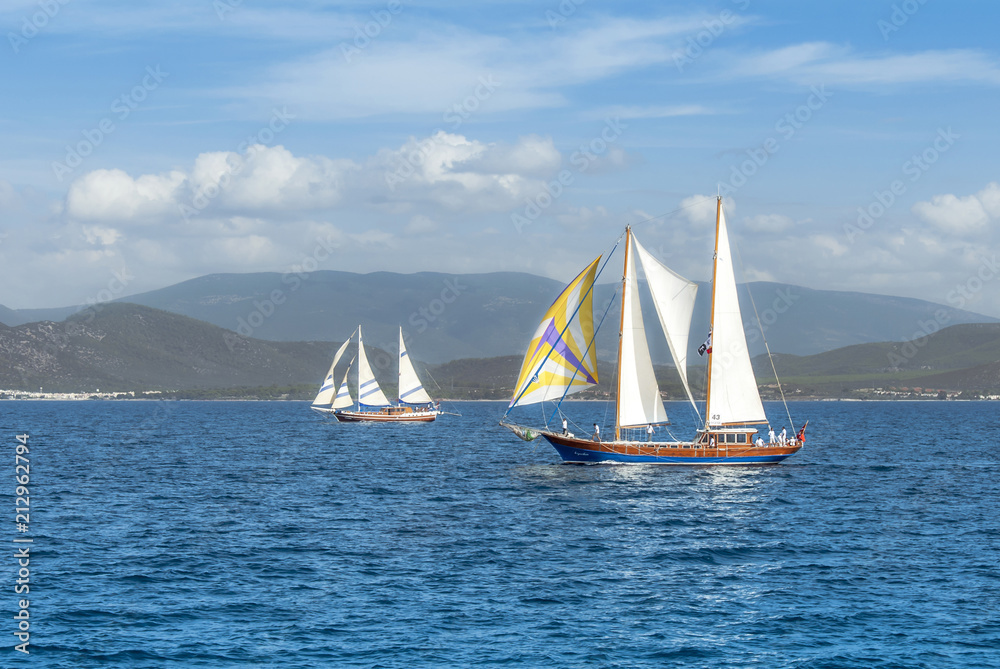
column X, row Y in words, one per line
column 167, row 142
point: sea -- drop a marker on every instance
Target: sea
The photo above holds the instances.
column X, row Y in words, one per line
column 259, row 534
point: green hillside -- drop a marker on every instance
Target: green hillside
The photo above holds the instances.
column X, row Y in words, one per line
column 130, row 347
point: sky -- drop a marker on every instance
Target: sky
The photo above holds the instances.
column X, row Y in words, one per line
column 855, row 143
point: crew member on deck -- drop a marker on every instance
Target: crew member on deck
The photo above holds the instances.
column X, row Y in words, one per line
column 649, row 432
column 597, row 432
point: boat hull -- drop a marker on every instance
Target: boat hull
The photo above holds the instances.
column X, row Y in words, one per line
column 385, row 417
column 584, row 451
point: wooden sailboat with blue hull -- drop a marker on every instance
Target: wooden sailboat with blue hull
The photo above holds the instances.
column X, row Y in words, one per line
column 561, row 360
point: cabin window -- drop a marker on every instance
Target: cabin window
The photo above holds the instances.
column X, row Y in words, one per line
column 741, row 438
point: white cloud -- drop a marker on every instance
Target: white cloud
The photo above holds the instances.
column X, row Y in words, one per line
column 652, row 111
column 9, row 198
column 446, row 170
column 990, row 199
column 823, row 62
column 699, row 209
column 112, row 195
column 960, row 216
column 462, row 174
column 99, row 236
column 530, row 156
column 444, row 68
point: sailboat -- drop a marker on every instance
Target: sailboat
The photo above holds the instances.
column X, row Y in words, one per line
column 414, row 405
column 562, row 359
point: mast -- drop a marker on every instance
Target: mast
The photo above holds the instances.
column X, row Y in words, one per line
column 361, row 352
column 711, row 327
column 621, row 334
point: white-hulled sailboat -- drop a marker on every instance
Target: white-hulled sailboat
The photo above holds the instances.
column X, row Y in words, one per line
column 561, row 359
column 413, row 405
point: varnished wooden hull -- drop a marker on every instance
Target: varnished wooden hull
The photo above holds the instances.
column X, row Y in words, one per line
column 582, row 451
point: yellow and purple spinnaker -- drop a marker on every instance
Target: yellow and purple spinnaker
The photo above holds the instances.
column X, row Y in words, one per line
column 561, row 358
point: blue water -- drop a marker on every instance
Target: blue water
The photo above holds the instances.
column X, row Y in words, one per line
column 226, row 534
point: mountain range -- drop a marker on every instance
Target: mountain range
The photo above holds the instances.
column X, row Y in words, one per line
column 124, row 347
column 448, row 317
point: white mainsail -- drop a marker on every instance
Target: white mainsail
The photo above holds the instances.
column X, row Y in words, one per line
column 327, row 390
column 732, row 388
column 411, row 390
column 368, row 390
column 343, row 399
column 674, row 298
column 639, row 400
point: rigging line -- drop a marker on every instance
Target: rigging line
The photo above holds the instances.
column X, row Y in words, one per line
column 675, row 211
column 428, row 373
column 592, row 342
column 760, row 324
column 693, row 404
column 569, row 321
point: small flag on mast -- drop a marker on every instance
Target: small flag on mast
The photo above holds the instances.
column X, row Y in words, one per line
column 707, row 346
